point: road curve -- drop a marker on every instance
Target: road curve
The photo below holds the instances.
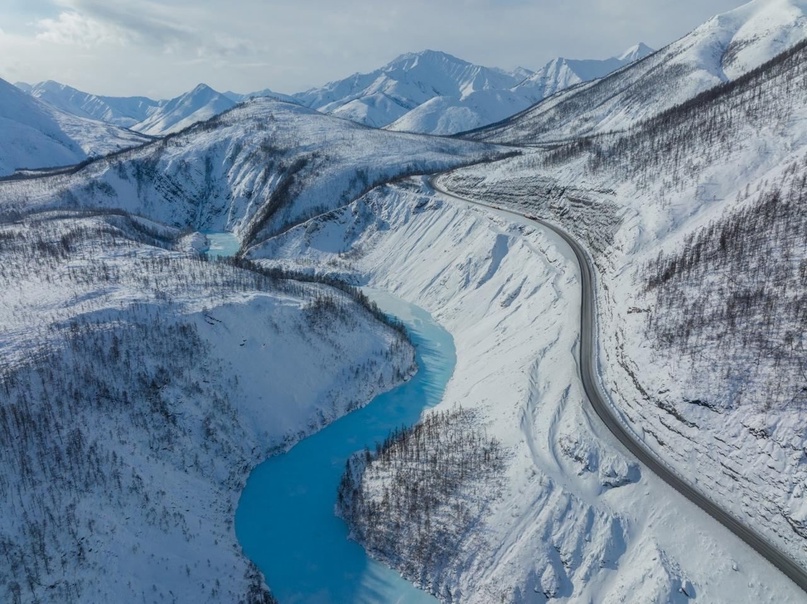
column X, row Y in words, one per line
column 606, row 412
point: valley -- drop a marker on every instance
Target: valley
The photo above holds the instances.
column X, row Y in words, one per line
column 433, row 332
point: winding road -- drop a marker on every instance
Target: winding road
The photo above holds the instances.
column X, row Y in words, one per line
column 607, row 413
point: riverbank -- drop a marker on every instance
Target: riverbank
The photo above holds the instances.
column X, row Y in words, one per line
column 285, row 520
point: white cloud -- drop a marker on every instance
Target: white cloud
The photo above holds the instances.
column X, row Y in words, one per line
column 73, row 29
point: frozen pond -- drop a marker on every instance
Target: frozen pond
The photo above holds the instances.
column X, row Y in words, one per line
column 221, row 245
column 285, row 519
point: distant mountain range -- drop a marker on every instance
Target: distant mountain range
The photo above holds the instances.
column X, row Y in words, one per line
column 428, row 92
column 124, row 111
column 35, row 134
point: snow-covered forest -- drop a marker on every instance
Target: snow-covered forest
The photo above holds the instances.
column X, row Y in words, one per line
column 135, row 402
column 141, row 381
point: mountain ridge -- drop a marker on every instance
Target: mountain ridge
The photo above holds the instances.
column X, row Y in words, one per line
column 722, row 49
column 428, row 92
column 433, row 92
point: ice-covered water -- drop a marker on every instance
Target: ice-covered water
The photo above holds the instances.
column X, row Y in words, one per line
column 285, row 519
column 222, row 245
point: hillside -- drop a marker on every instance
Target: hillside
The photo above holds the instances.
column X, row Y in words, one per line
column 137, row 395
column 570, row 516
column 255, row 170
column 694, row 219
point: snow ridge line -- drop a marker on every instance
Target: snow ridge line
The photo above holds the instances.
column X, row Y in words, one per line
column 603, row 406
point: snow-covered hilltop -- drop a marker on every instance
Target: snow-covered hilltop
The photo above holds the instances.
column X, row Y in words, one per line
column 35, row 135
column 257, row 169
column 720, row 50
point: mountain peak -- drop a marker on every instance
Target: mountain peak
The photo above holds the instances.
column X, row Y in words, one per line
column 202, row 89
column 428, row 53
column 636, row 52
column 201, row 103
column 410, row 60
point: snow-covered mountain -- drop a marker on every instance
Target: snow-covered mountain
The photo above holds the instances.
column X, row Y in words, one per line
column 436, row 93
column 257, row 169
column 198, row 105
column 142, row 114
column 722, row 49
column 386, row 94
column 428, row 92
column 453, row 114
column 563, row 73
column 120, row 111
column 36, row 135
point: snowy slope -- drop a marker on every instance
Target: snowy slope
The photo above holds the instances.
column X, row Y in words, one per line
column 198, row 105
column 701, row 347
column 36, row 135
column 257, row 169
column 120, row 111
column 722, row 49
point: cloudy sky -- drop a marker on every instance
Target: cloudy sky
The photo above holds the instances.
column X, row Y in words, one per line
column 161, row 48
